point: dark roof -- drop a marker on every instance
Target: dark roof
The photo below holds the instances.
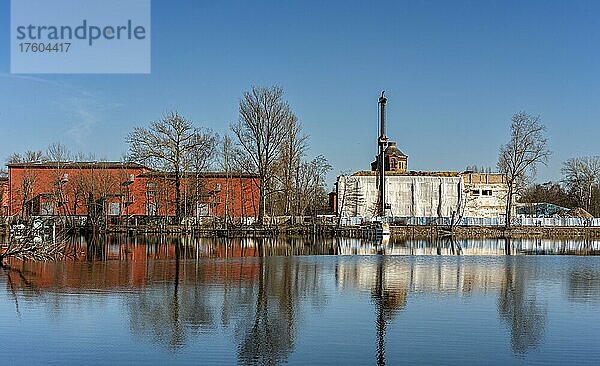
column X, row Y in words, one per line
column 393, row 150
column 79, row 165
column 201, row 174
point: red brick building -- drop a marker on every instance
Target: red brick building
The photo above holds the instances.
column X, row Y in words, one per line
column 124, row 189
column 3, row 196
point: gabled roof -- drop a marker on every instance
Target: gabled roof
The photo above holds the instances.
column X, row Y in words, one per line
column 393, row 150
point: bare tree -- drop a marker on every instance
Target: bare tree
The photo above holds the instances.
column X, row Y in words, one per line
column 581, row 175
column 199, row 160
column 57, row 152
column 168, row 143
column 350, row 196
column 226, row 157
column 3, row 190
column 26, row 185
column 519, row 158
column 550, row 192
column 28, row 242
column 263, row 120
column 30, row 156
column 288, row 169
column 311, row 194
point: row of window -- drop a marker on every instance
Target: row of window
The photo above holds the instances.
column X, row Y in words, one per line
column 397, row 165
column 114, row 209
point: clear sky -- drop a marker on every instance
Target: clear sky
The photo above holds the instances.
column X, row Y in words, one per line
column 454, row 73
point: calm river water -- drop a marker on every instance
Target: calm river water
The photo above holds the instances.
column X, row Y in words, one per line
column 305, row 301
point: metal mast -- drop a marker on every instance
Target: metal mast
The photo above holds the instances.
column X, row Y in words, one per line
column 382, row 142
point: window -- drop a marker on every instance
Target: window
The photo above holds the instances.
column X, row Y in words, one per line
column 47, row 208
column 475, row 192
column 151, row 209
column 202, row 209
column 486, row 192
column 114, row 209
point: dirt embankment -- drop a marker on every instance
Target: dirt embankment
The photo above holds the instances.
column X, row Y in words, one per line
column 464, row 232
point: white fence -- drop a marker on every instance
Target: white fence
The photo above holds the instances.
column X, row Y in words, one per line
column 478, row 221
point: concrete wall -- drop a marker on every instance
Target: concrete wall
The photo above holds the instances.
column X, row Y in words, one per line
column 485, row 195
column 424, row 195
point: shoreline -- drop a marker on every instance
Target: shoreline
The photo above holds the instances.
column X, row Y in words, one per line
column 486, row 232
column 409, row 232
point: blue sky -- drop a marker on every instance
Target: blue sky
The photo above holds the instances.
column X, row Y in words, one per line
column 454, row 73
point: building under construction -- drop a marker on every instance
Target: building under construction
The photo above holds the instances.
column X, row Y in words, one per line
column 390, row 189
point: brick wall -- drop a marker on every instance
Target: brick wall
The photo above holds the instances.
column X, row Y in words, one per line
column 4, row 202
column 202, row 195
column 125, row 189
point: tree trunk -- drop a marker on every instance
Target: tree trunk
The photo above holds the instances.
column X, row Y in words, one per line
column 589, row 200
column 177, row 196
column 261, row 203
column 509, row 201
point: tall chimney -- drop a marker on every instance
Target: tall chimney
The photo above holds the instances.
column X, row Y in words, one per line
column 382, row 141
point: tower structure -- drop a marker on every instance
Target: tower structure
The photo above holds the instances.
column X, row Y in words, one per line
column 382, row 143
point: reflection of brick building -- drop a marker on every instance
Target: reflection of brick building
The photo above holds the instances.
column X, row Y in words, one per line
column 141, row 262
column 129, row 189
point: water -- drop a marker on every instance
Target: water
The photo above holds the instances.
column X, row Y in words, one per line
column 143, row 301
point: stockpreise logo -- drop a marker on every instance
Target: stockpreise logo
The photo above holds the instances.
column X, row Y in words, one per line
column 80, row 36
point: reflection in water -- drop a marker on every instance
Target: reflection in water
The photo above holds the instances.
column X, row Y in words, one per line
column 269, row 338
column 170, row 315
column 524, row 316
column 387, row 300
column 478, row 247
column 175, row 289
column 584, row 285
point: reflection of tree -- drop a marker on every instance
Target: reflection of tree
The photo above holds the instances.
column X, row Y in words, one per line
column 170, row 314
column 584, row 285
column 9, row 272
column 261, row 298
column 268, row 337
column 450, row 243
column 525, row 318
